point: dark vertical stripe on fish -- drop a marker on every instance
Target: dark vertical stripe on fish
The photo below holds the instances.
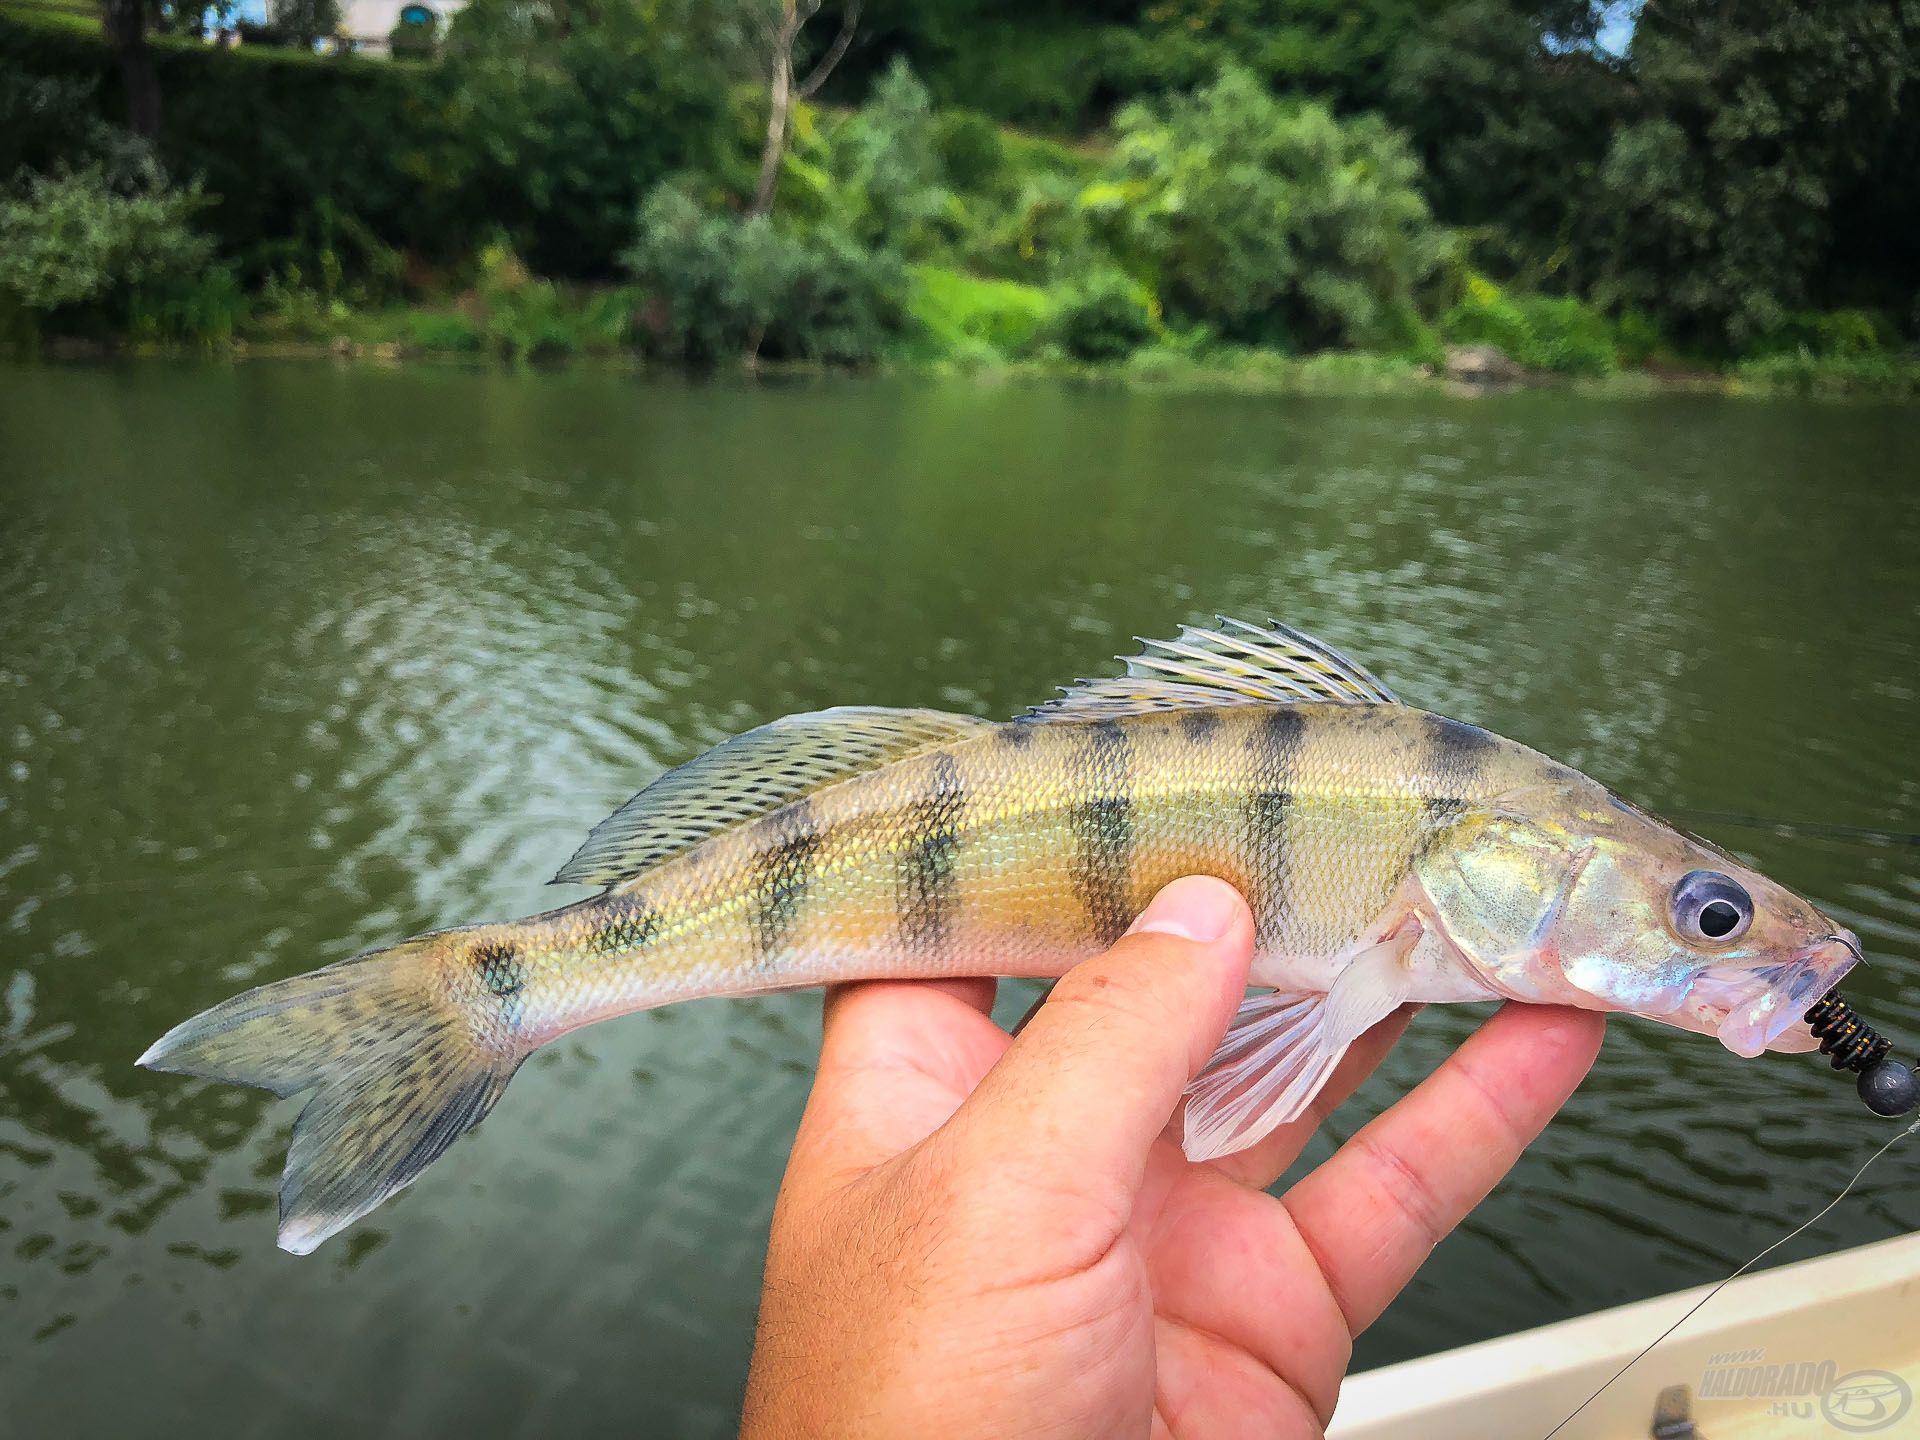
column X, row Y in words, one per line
column 1455, row 755
column 1275, row 748
column 786, row 864
column 630, row 924
column 927, row 885
column 504, row 973
column 1199, row 726
column 1103, row 830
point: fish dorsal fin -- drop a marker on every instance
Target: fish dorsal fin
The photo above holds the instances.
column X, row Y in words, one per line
column 753, row 775
column 1233, row 663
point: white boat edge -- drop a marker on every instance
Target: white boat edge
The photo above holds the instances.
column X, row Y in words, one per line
column 1858, row 1308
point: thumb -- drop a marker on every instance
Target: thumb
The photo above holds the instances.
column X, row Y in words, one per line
column 1095, row 1076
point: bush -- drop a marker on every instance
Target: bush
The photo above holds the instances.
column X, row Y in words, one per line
column 963, row 316
column 886, row 167
column 972, row 157
column 446, row 331
column 1105, row 316
column 558, row 132
column 530, row 323
column 48, row 122
column 1836, row 333
column 203, row 309
column 717, row 286
column 555, row 139
column 1538, row 331
column 1803, row 374
column 1276, row 222
column 77, row 250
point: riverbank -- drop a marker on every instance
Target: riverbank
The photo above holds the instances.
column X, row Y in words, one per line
column 1244, row 371
column 894, row 229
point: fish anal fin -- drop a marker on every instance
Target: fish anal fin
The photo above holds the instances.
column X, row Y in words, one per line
column 1282, row 1048
column 753, row 775
column 1232, row 663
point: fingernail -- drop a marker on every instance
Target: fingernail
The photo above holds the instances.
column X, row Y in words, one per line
column 1196, row 908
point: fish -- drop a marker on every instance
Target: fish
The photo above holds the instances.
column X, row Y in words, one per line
column 1389, row 855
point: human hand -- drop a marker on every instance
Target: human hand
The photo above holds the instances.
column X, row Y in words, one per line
column 981, row 1235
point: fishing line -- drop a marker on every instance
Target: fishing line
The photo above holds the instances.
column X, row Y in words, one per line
column 1865, row 834
column 1695, row 1308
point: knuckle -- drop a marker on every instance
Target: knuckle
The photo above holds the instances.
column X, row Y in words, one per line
column 1408, row 1190
column 1119, row 986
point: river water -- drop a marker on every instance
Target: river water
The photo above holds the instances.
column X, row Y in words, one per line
column 296, row 659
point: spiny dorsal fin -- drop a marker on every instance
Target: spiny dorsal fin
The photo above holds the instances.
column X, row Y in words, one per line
column 753, row 775
column 1232, row 664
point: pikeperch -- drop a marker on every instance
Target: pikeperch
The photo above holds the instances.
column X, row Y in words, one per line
column 1389, row 855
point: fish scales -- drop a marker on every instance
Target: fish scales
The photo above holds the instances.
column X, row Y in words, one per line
column 1024, row 848
column 1388, row 855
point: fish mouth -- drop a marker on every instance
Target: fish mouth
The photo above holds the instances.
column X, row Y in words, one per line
column 1753, row 1010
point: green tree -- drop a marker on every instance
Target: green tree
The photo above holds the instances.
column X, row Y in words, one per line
column 127, row 24
column 784, row 87
column 88, row 242
column 886, row 165
column 1745, row 121
column 302, row 22
column 1272, row 221
column 1510, row 104
column 566, row 115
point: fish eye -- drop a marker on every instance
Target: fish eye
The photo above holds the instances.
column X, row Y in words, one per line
column 1710, row 907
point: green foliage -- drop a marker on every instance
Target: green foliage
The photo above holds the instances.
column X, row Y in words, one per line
column 1103, row 316
column 1052, row 73
column 1538, row 331
column 535, row 320
column 1800, row 373
column 1260, row 371
column 973, row 158
column 554, row 136
column 1509, row 110
column 886, row 167
column 52, row 121
column 205, row 309
column 1637, row 337
column 289, row 308
column 717, row 287
column 559, row 128
column 1741, row 182
column 79, row 250
column 444, row 331
column 1716, row 193
column 300, row 23
column 961, row 315
column 1273, row 221
column 1837, row 334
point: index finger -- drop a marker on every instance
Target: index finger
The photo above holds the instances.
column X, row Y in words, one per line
column 1373, row 1213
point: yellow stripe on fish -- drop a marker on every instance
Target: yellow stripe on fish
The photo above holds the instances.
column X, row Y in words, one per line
column 1389, row 855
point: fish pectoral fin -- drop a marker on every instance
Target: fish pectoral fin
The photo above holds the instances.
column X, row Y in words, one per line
column 1282, row 1048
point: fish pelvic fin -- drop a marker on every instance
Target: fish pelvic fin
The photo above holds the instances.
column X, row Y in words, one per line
column 398, row 1066
column 1281, row 1050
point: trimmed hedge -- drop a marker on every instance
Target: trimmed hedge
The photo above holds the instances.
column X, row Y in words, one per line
column 306, row 155
column 274, row 133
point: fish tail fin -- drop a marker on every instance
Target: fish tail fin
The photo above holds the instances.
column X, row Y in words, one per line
column 399, row 1066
